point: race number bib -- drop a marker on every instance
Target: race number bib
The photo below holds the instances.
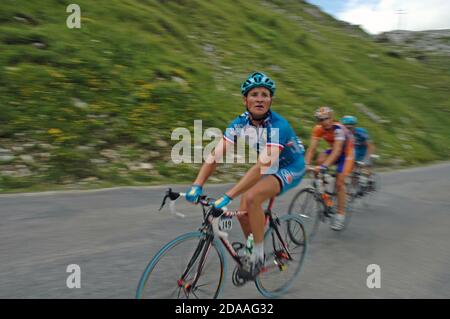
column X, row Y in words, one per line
column 226, row 223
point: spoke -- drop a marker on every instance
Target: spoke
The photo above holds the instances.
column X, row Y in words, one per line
column 206, row 291
column 297, row 232
column 195, row 295
column 174, row 291
column 306, row 203
column 186, row 293
column 205, row 284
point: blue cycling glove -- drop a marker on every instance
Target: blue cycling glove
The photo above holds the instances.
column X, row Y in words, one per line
column 222, row 201
column 193, row 193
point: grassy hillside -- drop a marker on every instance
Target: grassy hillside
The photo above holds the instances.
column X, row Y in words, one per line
column 97, row 105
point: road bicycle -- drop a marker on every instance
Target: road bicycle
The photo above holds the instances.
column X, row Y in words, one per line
column 364, row 181
column 193, row 265
column 318, row 203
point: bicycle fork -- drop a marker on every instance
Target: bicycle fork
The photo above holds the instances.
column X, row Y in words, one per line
column 203, row 247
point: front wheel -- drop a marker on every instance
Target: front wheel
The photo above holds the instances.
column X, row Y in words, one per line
column 284, row 257
column 190, row 266
column 306, row 206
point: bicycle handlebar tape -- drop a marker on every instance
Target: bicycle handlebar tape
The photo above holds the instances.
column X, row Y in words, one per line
column 173, row 195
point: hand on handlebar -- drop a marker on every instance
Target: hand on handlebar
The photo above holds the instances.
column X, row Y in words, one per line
column 193, row 193
column 318, row 169
column 222, row 202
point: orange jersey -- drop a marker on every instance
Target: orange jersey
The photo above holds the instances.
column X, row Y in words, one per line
column 337, row 132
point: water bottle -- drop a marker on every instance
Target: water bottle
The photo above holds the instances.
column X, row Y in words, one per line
column 249, row 245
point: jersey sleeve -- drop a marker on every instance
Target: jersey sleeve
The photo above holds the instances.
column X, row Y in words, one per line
column 364, row 134
column 233, row 130
column 317, row 132
column 339, row 134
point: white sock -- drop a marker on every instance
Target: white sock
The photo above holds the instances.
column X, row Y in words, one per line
column 258, row 251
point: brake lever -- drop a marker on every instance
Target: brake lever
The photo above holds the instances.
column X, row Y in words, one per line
column 163, row 202
column 169, row 194
column 173, row 196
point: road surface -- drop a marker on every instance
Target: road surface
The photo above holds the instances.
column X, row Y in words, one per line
column 111, row 234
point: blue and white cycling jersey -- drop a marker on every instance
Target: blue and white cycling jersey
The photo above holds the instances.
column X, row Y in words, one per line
column 275, row 130
column 361, row 137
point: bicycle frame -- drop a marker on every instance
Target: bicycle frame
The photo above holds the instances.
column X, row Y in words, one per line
column 319, row 190
column 223, row 236
column 211, row 229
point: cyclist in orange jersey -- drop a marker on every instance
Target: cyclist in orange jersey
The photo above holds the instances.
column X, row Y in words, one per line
column 341, row 154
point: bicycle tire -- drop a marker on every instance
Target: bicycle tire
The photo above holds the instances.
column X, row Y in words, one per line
column 350, row 207
column 270, row 283
column 370, row 196
column 353, row 188
column 376, row 182
column 159, row 286
column 309, row 211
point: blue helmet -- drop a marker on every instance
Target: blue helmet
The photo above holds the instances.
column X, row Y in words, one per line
column 258, row 79
column 349, row 120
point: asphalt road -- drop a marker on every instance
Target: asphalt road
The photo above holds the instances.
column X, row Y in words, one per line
column 111, row 234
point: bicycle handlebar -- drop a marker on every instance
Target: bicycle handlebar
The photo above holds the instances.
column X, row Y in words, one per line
column 320, row 174
column 203, row 200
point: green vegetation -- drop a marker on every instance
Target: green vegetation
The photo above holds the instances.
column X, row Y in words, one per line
column 91, row 105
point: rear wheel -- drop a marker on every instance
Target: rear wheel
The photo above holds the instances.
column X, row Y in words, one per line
column 284, row 257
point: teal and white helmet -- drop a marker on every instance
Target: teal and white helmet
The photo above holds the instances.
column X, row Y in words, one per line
column 258, row 79
column 349, row 120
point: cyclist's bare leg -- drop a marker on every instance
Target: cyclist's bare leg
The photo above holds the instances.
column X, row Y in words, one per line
column 265, row 189
column 340, row 191
column 243, row 219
